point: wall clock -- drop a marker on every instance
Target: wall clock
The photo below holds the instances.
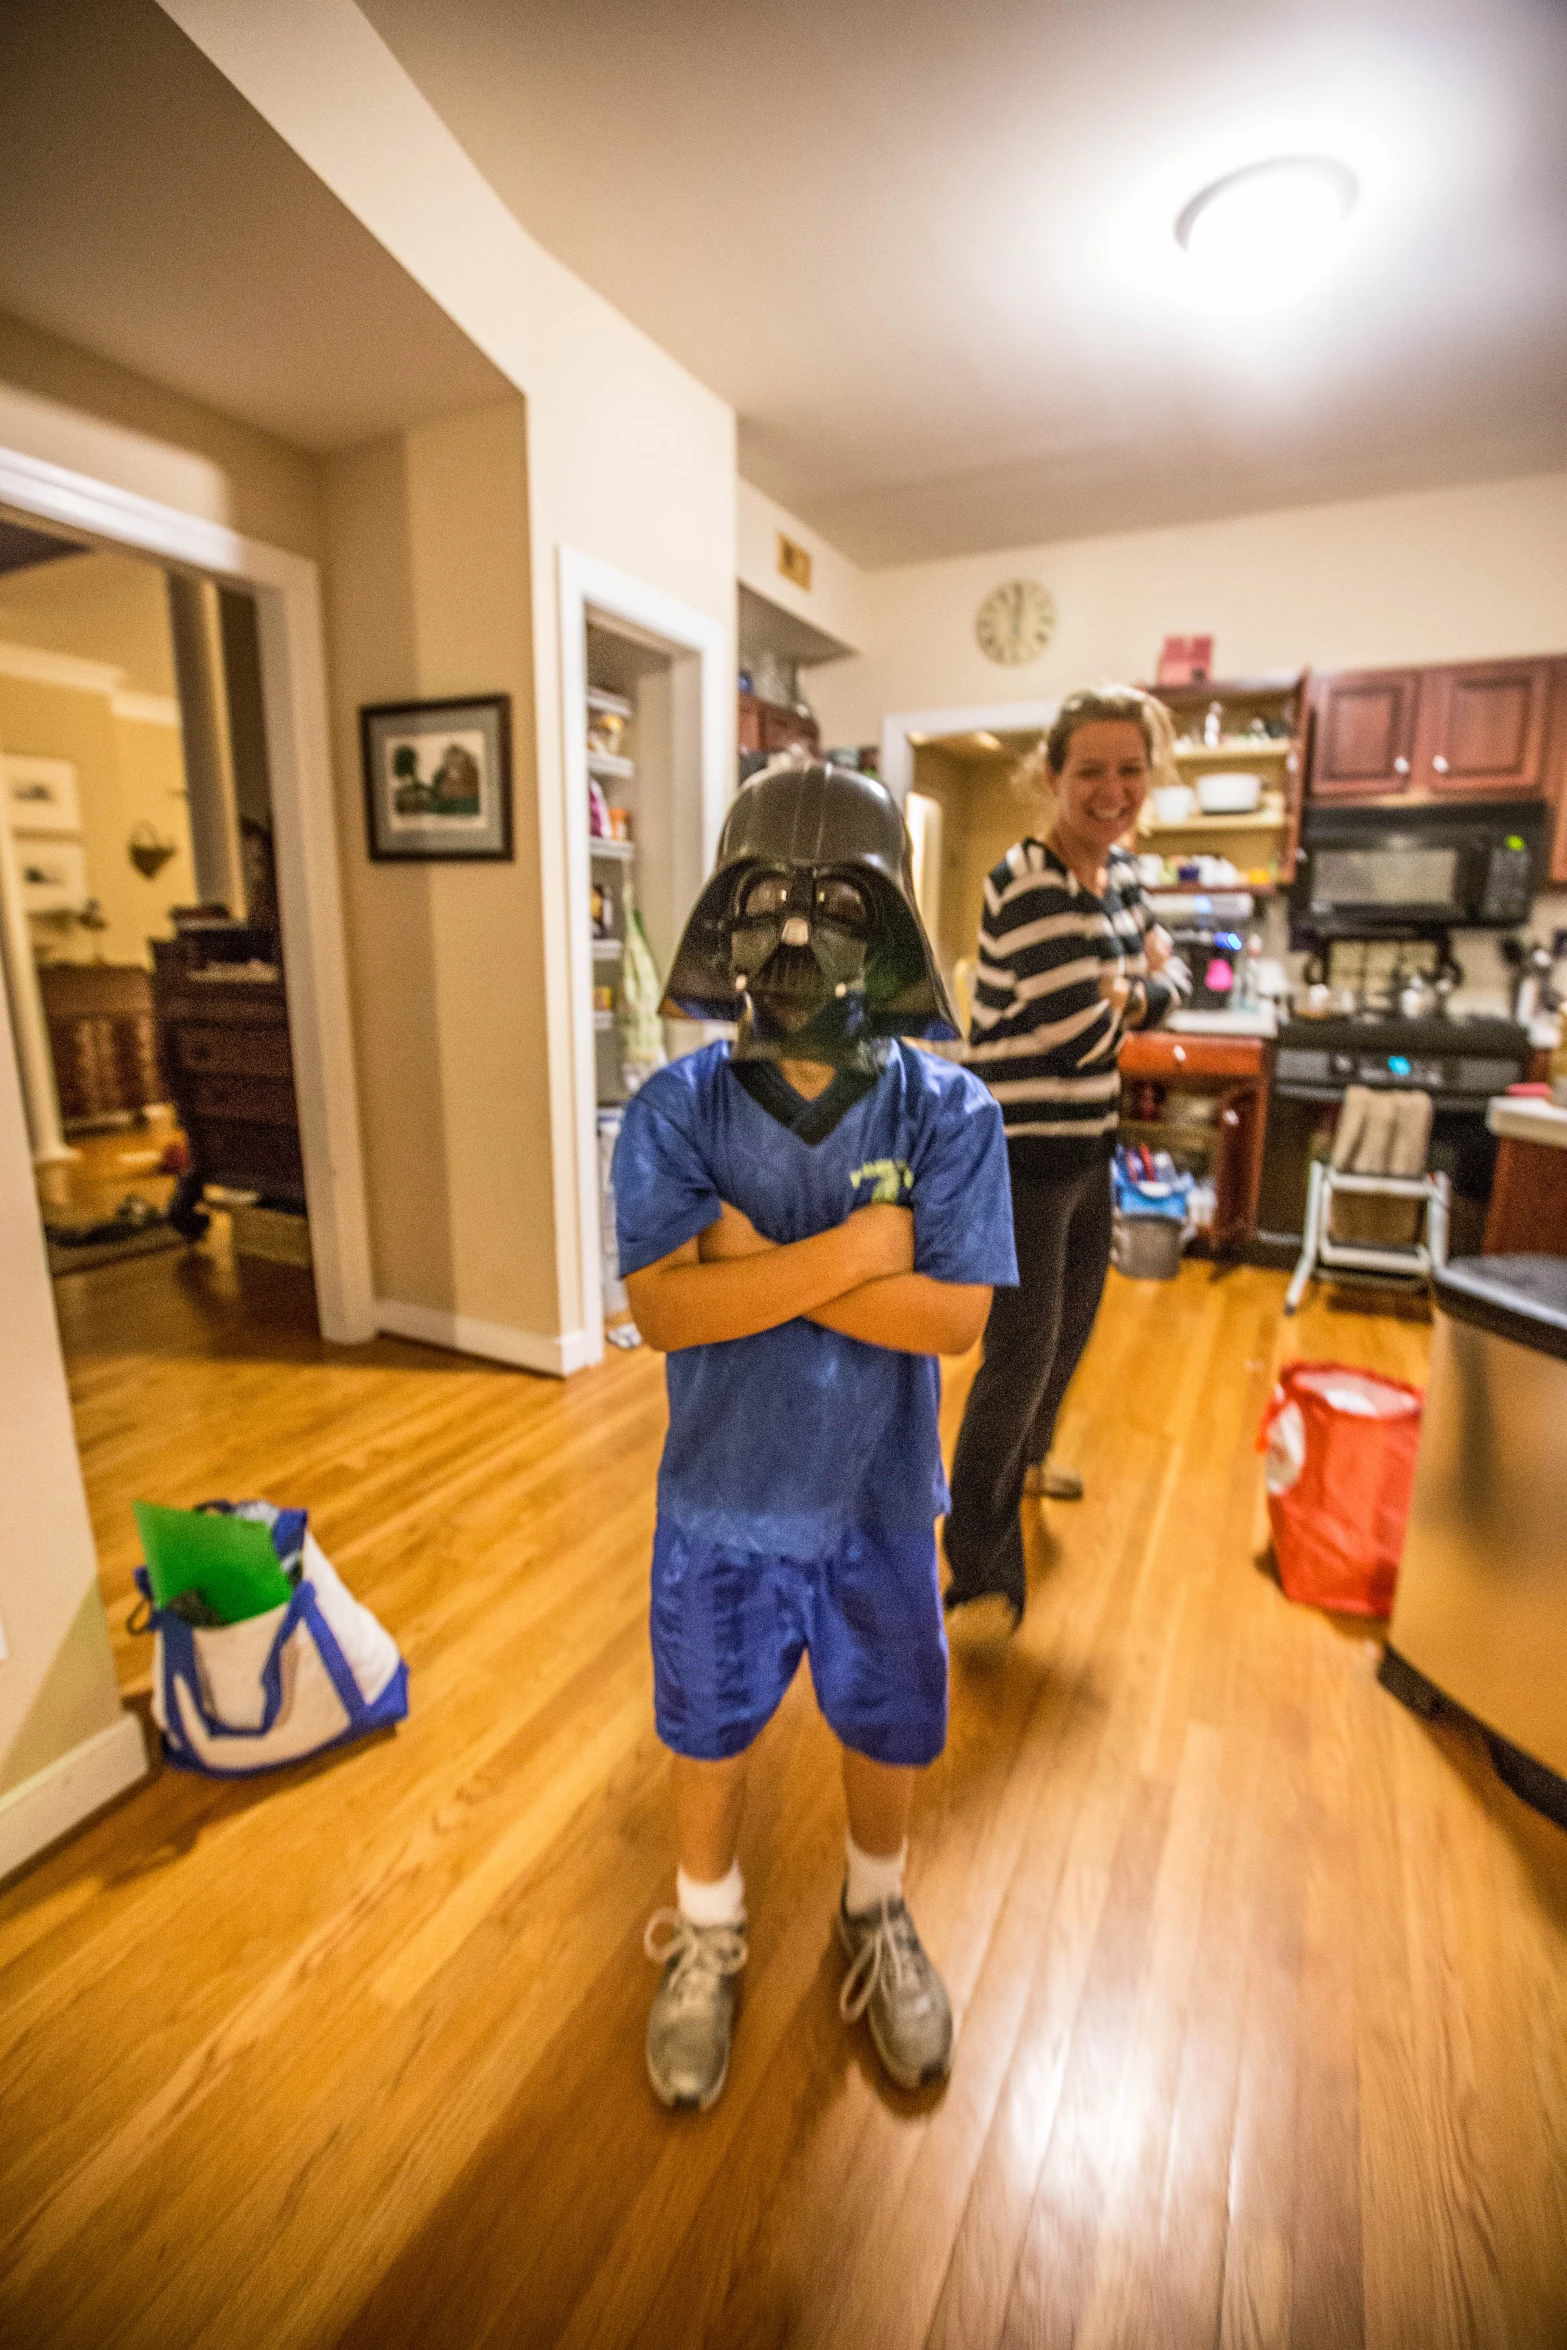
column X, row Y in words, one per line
column 1015, row 622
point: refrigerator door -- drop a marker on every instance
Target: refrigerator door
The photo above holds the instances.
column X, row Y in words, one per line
column 1481, row 1606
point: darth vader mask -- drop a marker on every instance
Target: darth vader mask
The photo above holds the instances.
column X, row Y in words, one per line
column 808, row 934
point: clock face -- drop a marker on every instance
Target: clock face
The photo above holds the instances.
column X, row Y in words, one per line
column 1015, row 621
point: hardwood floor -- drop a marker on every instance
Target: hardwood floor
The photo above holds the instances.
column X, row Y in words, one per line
column 1261, row 1983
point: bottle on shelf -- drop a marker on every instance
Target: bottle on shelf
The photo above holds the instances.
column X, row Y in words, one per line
column 1248, row 975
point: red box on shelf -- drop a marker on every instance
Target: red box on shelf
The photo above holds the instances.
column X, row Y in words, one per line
column 1185, row 660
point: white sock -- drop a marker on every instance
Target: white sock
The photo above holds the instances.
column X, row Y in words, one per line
column 712, row 1902
column 873, row 1879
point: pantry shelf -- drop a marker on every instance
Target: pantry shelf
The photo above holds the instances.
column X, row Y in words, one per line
column 598, row 846
column 606, row 763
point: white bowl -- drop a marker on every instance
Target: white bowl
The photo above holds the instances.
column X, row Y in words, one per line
column 1173, row 803
column 1228, row 795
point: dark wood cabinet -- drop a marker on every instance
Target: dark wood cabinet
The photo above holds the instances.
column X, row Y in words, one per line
column 773, row 727
column 1363, row 733
column 1235, row 1069
column 102, row 1040
column 223, row 1033
column 1484, row 727
column 1462, row 730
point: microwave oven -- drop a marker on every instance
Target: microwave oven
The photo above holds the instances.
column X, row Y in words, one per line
column 1365, row 872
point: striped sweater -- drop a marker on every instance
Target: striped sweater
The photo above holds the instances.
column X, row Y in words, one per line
column 1042, row 1036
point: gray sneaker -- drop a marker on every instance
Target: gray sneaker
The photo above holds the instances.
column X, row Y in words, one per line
column 689, row 2029
column 894, row 1986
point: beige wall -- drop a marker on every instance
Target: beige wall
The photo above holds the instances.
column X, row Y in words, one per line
column 71, row 408
column 629, row 458
column 837, row 600
column 427, row 595
column 1437, row 575
column 57, row 1685
column 112, row 611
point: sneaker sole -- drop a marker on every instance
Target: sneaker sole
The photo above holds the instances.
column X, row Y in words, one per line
column 901, row 2075
column 988, row 1621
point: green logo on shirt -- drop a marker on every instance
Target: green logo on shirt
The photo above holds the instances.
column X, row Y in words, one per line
column 889, row 1179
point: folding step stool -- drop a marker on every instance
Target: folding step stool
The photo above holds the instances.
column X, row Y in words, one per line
column 1321, row 1252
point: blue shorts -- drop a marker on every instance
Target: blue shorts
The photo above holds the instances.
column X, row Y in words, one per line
column 730, row 1627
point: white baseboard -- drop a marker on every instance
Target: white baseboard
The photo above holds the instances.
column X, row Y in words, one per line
column 64, row 1793
column 497, row 1342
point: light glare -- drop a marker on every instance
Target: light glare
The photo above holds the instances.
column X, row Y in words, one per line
column 1272, row 227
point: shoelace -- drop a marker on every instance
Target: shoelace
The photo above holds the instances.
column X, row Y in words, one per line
column 894, row 1947
column 698, row 1951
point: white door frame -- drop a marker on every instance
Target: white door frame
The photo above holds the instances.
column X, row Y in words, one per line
column 589, row 585
column 900, row 726
column 287, row 592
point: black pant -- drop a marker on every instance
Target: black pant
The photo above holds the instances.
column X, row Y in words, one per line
column 1034, row 1341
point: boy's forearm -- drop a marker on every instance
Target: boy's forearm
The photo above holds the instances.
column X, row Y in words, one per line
column 910, row 1313
column 705, row 1304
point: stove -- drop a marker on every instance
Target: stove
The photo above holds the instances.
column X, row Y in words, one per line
column 1460, row 1060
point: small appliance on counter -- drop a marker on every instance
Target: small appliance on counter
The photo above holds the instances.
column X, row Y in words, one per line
column 1480, row 1614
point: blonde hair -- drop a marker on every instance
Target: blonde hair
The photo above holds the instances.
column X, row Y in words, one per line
column 1034, row 776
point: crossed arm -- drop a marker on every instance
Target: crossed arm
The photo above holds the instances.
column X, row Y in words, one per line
column 858, row 1278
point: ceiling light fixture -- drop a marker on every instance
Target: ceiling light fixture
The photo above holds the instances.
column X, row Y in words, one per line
column 1270, row 225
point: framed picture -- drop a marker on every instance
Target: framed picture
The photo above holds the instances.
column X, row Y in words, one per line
column 54, row 875
column 40, row 794
column 438, row 778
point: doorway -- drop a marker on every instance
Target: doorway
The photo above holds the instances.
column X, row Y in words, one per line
column 272, row 604
column 647, row 715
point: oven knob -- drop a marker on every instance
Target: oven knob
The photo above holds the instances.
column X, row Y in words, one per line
column 1341, row 1064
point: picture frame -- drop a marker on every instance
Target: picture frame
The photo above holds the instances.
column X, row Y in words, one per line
column 53, row 873
column 41, row 795
column 437, row 778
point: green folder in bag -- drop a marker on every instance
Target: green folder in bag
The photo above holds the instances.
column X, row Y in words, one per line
column 230, row 1561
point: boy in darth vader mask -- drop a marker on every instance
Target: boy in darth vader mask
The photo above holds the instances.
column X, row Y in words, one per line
column 807, row 1218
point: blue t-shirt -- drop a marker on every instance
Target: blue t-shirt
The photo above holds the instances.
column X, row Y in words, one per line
column 784, row 1441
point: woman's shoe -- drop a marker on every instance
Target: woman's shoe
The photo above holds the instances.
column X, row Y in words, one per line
column 1044, row 1478
column 981, row 1619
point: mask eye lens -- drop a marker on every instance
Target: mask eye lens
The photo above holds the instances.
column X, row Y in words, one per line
column 843, row 904
column 764, row 897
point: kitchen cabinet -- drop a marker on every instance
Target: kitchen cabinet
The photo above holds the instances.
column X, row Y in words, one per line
column 1463, row 730
column 1363, row 734
column 1235, row 1068
column 1483, row 728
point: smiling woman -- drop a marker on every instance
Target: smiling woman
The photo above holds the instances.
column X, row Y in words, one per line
column 1069, row 960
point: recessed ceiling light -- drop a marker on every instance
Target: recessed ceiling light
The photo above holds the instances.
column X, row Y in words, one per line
column 1270, row 224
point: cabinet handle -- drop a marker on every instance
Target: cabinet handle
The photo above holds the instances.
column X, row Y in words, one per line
column 1180, row 1052
column 1400, row 766
column 1440, row 764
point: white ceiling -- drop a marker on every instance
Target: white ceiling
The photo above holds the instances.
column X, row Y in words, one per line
column 150, row 214
column 925, row 248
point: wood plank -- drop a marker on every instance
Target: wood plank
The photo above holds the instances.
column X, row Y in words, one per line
column 1260, row 1981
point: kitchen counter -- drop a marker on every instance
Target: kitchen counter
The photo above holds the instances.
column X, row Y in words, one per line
column 1259, row 1021
column 1522, row 1118
column 1528, row 1212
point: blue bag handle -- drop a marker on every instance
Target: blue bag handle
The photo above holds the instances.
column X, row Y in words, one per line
column 179, row 1663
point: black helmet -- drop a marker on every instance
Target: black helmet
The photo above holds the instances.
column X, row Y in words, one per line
column 808, row 933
